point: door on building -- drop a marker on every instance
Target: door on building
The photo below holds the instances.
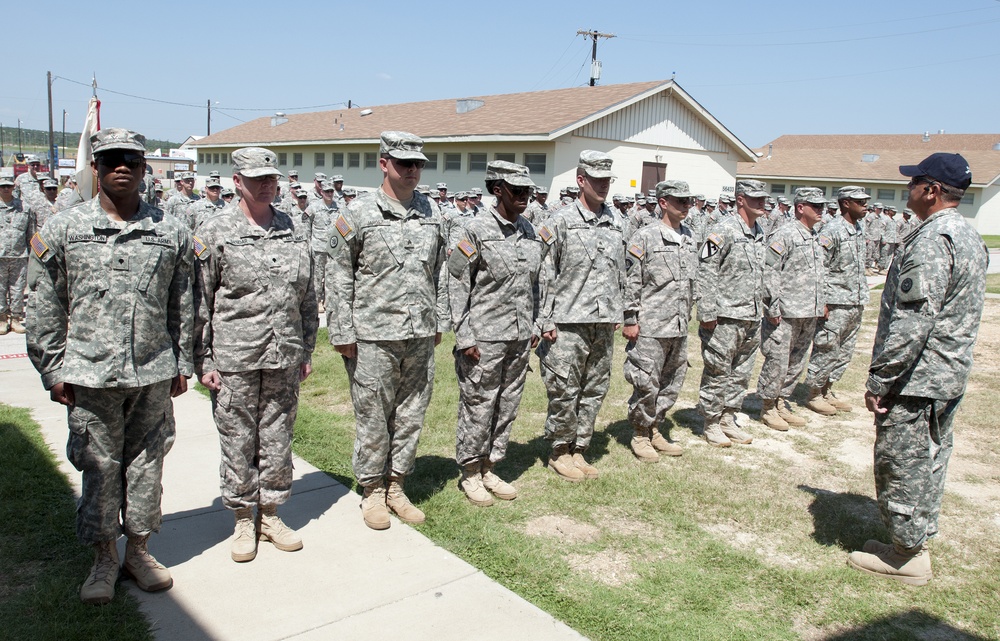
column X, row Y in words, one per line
column 652, row 173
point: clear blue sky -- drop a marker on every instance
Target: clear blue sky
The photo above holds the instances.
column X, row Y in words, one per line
column 781, row 67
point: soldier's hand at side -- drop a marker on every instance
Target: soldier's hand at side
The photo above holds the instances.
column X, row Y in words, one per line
column 212, row 380
column 63, row 393
column 826, row 312
column 305, row 369
column 437, row 339
column 350, row 350
column 551, row 336
column 708, row 326
column 534, row 341
column 178, row 385
column 473, row 352
column 774, row 321
column 631, row 332
column 874, row 404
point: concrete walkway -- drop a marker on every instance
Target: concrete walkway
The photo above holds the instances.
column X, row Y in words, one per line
column 348, row 582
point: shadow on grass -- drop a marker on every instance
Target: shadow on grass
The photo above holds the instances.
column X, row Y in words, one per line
column 913, row 624
column 843, row 519
column 690, row 419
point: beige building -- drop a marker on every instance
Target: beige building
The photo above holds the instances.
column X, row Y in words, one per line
column 872, row 161
column 654, row 130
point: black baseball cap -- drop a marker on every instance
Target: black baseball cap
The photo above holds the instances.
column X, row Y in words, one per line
column 950, row 169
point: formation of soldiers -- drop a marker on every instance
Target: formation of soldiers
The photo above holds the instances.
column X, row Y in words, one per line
column 396, row 267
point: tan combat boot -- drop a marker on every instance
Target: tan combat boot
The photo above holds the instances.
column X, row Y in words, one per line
column 561, row 462
column 589, row 471
column 373, row 509
column 818, row 405
column 472, row 484
column 770, row 416
column 399, row 504
column 148, row 573
column 785, row 412
column 273, row 529
column 499, row 487
column 642, row 447
column 832, row 399
column 99, row 588
column 4, row 324
column 17, row 325
column 714, row 435
column 912, row 567
column 662, row 445
column 244, row 545
column 732, row 431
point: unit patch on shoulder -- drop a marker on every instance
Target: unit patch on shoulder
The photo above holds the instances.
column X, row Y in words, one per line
column 38, row 246
column 199, row 247
column 636, row 251
column 906, row 285
column 546, row 235
column 824, row 241
column 343, row 226
column 777, row 247
column 466, row 248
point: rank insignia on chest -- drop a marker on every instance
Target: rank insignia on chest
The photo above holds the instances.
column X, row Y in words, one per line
column 546, row 235
column 343, row 227
column 824, row 241
column 199, row 247
column 636, row 251
column 777, row 247
column 38, row 246
column 466, row 248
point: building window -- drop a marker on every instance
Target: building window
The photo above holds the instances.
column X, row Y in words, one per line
column 968, row 199
column 225, row 159
column 432, row 162
column 371, row 160
column 320, row 160
column 886, row 194
column 215, row 159
column 296, row 159
column 777, row 188
column 453, row 162
column 504, row 157
column 282, row 159
column 535, row 163
column 201, row 158
column 477, row 162
column 338, row 159
column 353, row 159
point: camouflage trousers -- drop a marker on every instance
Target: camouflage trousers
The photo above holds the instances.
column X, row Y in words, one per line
column 785, row 347
column 655, row 367
column 833, row 344
column 391, row 385
column 255, row 414
column 319, row 275
column 886, row 252
column 118, row 438
column 489, row 396
column 13, row 278
column 871, row 252
column 913, row 442
column 576, row 370
column 729, row 352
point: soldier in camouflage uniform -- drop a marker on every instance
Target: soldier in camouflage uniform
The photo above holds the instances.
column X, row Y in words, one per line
column 581, row 308
column 927, row 327
column 890, row 229
column 16, row 228
column 111, row 334
column 255, row 330
column 26, row 187
column 661, row 264
column 846, row 293
column 338, row 191
column 495, row 262
column 538, row 211
column 178, row 204
column 44, row 208
column 730, row 291
column 873, row 238
column 319, row 218
column 385, row 311
column 794, row 299
column 906, row 224
column 203, row 209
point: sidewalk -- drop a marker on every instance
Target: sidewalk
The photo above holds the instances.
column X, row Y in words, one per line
column 349, row 582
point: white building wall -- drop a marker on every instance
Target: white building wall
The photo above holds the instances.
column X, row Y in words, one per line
column 987, row 219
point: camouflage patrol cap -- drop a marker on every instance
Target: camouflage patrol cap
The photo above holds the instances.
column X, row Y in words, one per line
column 227, row 191
column 616, row 197
column 711, row 203
column 479, row 192
column 327, row 185
column 43, row 176
column 510, row 173
column 441, row 186
column 462, row 195
column 783, row 201
column 541, row 189
column 319, row 177
column 6, row 181
column 572, row 189
column 724, row 198
column 596, row 164
column 350, row 191
column 49, row 183
column 908, row 212
column 450, row 194
column 337, row 178
column 213, row 182
column 699, row 196
column 751, row 188
column 401, row 145
column 852, row 192
column 293, row 172
column 302, row 194
column 878, row 206
column 641, row 201
column 675, row 188
column 809, row 195
column 254, row 162
column 32, row 158
column 213, row 174
column 117, row 138
column 831, row 205
column 159, row 188
column 295, row 185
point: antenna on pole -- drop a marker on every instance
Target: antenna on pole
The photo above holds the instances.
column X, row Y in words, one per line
column 93, row 83
column 595, row 64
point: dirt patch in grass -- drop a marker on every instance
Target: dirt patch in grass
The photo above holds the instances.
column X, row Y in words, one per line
column 609, row 567
column 562, row 527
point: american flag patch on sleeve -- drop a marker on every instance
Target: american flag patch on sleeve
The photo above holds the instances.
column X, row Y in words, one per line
column 38, row 245
column 546, row 235
column 343, row 227
column 199, row 247
column 636, row 251
column 466, row 248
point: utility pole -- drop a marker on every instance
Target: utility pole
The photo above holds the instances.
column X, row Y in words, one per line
column 19, row 150
column 64, row 133
column 595, row 65
column 53, row 150
column 209, row 128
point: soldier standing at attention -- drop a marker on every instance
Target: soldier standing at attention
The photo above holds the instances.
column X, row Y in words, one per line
column 661, row 264
column 255, row 330
column 320, row 215
column 927, row 326
column 730, row 290
column 178, row 204
column 111, row 335
column 386, row 309
column 794, row 298
column 846, row 292
column 494, row 265
column 16, row 228
column 582, row 307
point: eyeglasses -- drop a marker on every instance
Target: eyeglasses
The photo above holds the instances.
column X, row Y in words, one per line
column 409, row 164
column 683, row 201
column 921, row 180
column 518, row 191
column 52, row 188
column 132, row 161
column 461, row 199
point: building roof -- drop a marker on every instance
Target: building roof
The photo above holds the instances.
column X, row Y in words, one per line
column 538, row 115
column 869, row 158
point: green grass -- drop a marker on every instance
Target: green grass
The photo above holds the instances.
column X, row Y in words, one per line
column 748, row 543
column 993, row 242
column 41, row 563
column 993, row 283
